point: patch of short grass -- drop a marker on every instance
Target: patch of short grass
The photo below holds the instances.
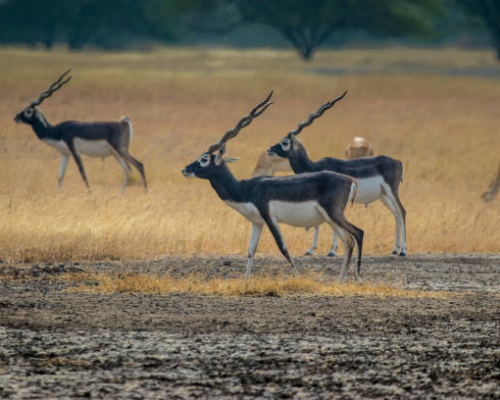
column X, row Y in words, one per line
column 275, row 286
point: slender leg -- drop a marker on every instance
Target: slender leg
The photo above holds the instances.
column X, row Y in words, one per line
column 349, row 234
column 137, row 164
column 392, row 202
column 392, row 208
column 492, row 188
column 126, row 171
column 275, row 230
column 254, row 241
column 62, row 170
column 332, row 251
column 348, row 248
column 78, row 161
column 314, row 243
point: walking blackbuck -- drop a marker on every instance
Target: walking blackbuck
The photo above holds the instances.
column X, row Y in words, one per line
column 72, row 138
column 378, row 177
column 306, row 200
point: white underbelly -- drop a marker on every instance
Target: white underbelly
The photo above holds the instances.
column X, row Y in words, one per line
column 91, row 148
column 304, row 214
column 369, row 189
column 248, row 210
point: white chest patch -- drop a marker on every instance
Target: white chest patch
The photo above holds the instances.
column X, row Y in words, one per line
column 58, row 145
column 304, row 214
column 91, row 148
column 248, row 210
column 369, row 189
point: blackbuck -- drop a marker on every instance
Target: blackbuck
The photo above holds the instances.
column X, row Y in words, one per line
column 301, row 200
column 378, row 177
column 357, row 148
column 492, row 189
column 72, row 138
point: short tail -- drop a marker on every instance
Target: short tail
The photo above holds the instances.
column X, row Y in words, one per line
column 354, row 192
column 126, row 121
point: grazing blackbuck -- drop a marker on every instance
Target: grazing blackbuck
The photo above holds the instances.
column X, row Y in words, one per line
column 378, row 177
column 306, row 200
column 72, row 138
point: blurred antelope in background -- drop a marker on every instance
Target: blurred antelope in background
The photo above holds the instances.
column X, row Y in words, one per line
column 267, row 165
column 492, row 189
column 305, row 200
column 378, row 177
column 359, row 147
column 72, row 138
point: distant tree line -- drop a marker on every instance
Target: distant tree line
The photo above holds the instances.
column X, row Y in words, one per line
column 305, row 25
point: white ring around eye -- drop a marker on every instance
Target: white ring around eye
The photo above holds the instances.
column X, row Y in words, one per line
column 204, row 160
column 285, row 144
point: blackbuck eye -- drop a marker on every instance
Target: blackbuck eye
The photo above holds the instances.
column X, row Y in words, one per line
column 204, row 160
column 29, row 112
column 285, row 144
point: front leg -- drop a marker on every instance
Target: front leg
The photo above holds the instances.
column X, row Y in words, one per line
column 78, row 161
column 314, row 245
column 62, row 170
column 254, row 241
column 332, row 251
column 275, row 230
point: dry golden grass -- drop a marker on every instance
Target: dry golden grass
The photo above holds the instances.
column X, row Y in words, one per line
column 272, row 285
column 444, row 129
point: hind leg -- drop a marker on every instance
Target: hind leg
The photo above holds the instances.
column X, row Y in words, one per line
column 350, row 235
column 136, row 163
column 394, row 205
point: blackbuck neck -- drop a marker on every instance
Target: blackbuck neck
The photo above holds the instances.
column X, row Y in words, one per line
column 300, row 161
column 41, row 127
column 226, row 185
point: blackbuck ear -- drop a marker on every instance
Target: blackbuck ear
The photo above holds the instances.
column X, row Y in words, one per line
column 231, row 159
column 220, row 155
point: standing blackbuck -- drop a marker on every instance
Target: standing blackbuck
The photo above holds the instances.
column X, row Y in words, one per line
column 359, row 147
column 72, row 138
column 301, row 200
column 378, row 177
column 492, row 189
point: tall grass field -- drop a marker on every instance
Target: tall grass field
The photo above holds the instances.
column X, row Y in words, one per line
column 444, row 128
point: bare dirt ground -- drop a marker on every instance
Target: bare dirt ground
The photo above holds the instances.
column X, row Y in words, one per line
column 58, row 344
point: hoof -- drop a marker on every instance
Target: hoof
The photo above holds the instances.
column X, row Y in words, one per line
column 395, row 252
column 402, row 254
column 308, row 253
column 331, row 254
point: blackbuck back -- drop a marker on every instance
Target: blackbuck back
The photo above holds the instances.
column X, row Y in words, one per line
column 303, row 201
column 72, row 138
column 378, row 177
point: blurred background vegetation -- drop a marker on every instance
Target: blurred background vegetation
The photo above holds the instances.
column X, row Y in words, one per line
column 305, row 26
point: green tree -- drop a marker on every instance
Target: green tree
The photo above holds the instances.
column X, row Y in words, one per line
column 78, row 23
column 308, row 24
column 488, row 12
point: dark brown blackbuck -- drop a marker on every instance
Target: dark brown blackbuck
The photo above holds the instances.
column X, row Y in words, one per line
column 305, row 200
column 72, row 138
column 378, row 177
